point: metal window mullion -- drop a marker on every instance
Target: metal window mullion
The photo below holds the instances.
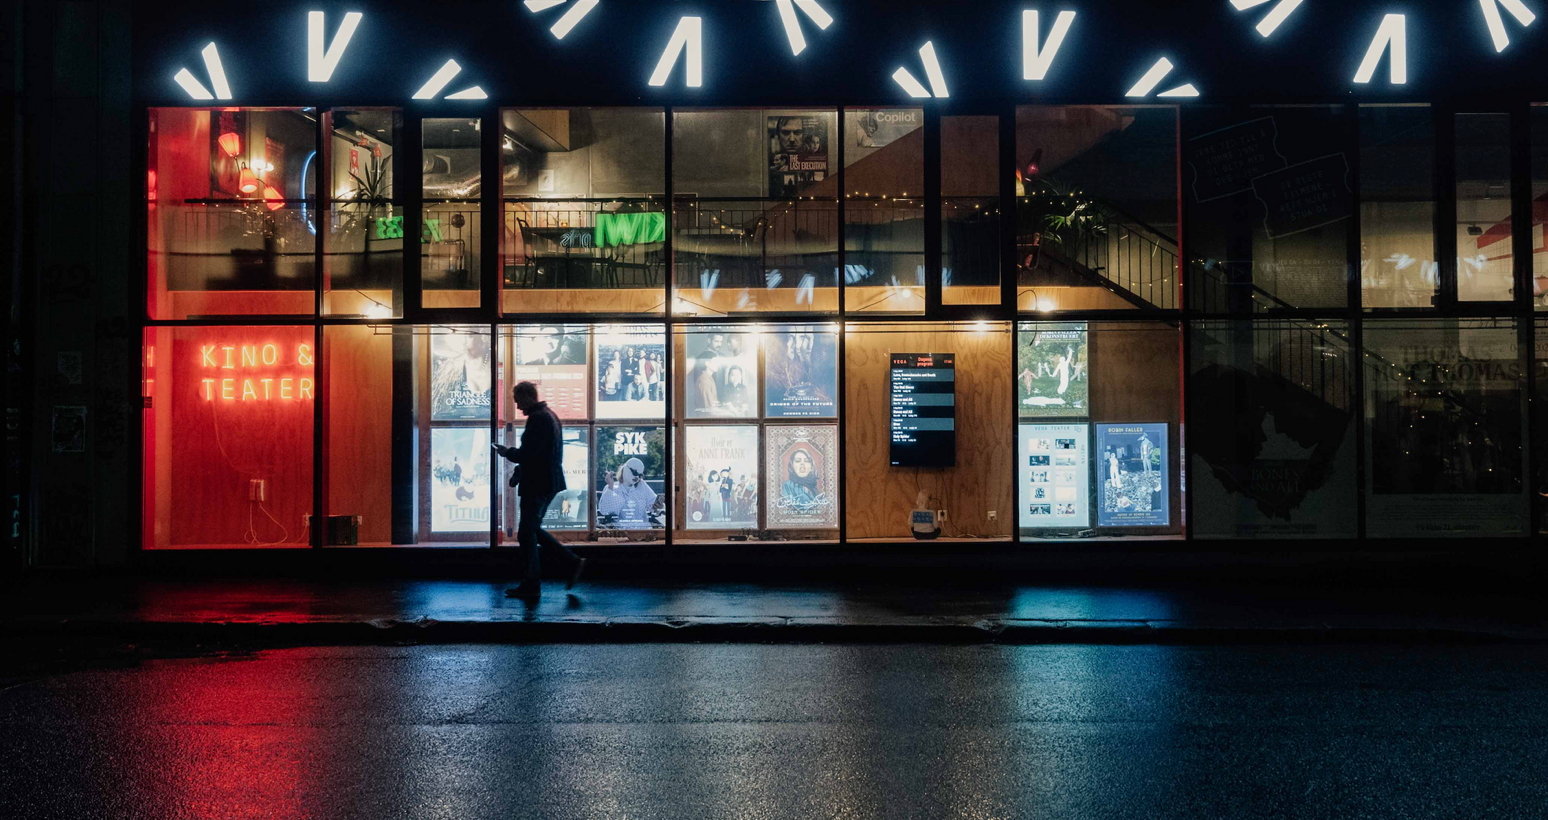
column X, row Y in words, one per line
column 408, row 182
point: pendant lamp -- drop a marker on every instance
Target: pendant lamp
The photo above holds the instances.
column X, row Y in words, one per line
column 231, row 143
column 247, row 183
column 273, row 198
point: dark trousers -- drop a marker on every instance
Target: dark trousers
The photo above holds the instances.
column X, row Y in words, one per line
column 533, row 539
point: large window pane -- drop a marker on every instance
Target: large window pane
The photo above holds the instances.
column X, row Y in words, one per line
column 1097, row 207
column 1275, row 399
column 755, row 224
column 363, row 252
column 1270, row 202
column 1540, row 425
column 452, row 427
column 970, row 210
column 1539, row 126
column 1397, row 206
column 1445, row 415
column 884, row 264
column 929, row 392
column 232, row 227
column 585, row 213
column 1485, row 261
column 449, row 236
column 227, row 437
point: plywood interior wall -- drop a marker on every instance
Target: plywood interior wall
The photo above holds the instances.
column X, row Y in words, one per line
column 879, row 496
column 360, row 428
column 1136, row 371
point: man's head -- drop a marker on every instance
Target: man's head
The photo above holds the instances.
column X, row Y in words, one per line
column 791, row 134
column 526, row 394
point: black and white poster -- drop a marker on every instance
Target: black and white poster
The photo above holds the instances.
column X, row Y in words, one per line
column 722, row 379
column 554, row 360
column 798, row 152
column 800, row 374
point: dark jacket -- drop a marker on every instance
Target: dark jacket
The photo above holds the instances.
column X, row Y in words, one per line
column 541, row 454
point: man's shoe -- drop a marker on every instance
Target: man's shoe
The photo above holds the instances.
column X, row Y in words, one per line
column 526, row 589
column 580, row 566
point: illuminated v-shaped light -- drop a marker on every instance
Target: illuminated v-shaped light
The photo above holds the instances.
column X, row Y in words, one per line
column 1491, row 12
column 932, row 67
column 787, row 15
column 212, row 64
column 1275, row 16
column 1036, row 61
column 1393, row 32
column 320, row 61
column 440, row 80
column 689, row 38
column 576, row 13
column 1153, row 78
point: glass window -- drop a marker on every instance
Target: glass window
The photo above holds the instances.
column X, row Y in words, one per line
column 1397, row 206
column 1276, row 401
column 1539, row 126
column 884, row 213
column 1445, row 419
column 970, row 210
column 232, row 216
column 585, row 210
column 1540, row 425
column 1485, row 260
column 453, row 433
column 755, row 224
column 928, row 426
column 227, row 437
column 1096, row 218
column 1270, row 201
column 363, row 252
column 451, row 173
column 758, row 413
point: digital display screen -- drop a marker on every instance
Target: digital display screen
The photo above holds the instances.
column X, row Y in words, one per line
column 924, row 409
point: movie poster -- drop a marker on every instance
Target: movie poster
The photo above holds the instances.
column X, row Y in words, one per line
column 555, row 361
column 459, row 479
column 1131, row 472
column 1052, row 377
column 803, row 477
column 722, row 376
column 880, row 127
column 720, row 481
column 1055, row 476
column 631, row 375
column 798, row 152
column 568, row 510
column 800, row 374
column 631, row 478
column 461, row 375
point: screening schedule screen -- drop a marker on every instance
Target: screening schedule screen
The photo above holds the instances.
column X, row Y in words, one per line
column 924, row 410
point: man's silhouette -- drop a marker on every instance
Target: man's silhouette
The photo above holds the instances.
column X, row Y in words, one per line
column 540, row 471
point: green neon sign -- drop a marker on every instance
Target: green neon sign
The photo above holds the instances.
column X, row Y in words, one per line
column 391, row 227
column 630, row 229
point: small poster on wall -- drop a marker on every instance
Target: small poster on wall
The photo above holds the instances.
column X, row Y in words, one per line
column 556, row 362
column 720, row 482
column 1055, row 476
column 631, row 375
column 1052, row 375
column 803, row 477
column 800, row 374
column 880, row 127
column 568, row 510
column 459, row 479
column 461, row 375
column 631, row 477
column 798, row 152
column 1131, row 471
column 722, row 377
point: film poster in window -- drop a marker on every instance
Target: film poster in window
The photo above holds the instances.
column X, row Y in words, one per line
column 459, row 480
column 555, row 361
column 631, row 478
column 1055, row 476
column 722, row 380
column 461, row 376
column 800, row 374
column 803, row 476
column 631, row 375
column 798, row 152
column 1131, row 475
column 570, row 508
column 1052, row 377
column 721, row 479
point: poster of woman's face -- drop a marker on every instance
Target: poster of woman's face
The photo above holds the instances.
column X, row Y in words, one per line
column 461, row 376
column 722, row 375
column 803, row 490
column 800, row 374
column 631, row 375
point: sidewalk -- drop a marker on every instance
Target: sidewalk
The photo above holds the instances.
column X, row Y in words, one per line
column 288, row 612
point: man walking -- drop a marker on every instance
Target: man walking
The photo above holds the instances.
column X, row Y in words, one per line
column 540, row 472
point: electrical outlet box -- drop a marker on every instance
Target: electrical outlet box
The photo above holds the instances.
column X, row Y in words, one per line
column 994, row 515
column 258, row 490
column 941, row 514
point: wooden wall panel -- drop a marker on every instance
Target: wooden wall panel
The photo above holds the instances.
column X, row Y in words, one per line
column 879, row 495
column 1136, row 377
column 360, row 428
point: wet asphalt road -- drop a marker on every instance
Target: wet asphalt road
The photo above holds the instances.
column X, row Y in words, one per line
column 750, row 731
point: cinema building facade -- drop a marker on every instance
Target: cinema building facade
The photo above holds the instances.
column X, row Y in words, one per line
column 1079, row 275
